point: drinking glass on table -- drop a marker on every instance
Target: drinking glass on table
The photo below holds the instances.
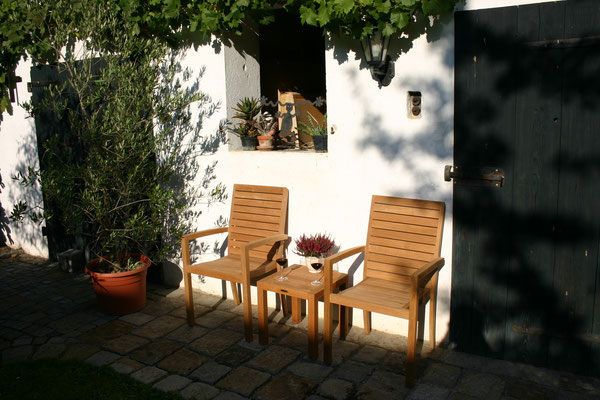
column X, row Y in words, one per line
column 317, row 266
column 282, row 263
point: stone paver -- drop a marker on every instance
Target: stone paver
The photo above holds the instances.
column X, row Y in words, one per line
column 158, row 327
column 103, row 358
column 199, row 391
column 155, row 351
column 274, row 359
column 182, row 362
column 336, row 389
column 286, row 387
column 481, row 385
column 126, row 365
column 210, row 372
column 148, row 375
column 215, row 341
column 172, row 383
column 310, row 370
column 125, row 344
column 45, row 312
column 243, row 380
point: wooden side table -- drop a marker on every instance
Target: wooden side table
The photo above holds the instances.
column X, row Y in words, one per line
column 298, row 287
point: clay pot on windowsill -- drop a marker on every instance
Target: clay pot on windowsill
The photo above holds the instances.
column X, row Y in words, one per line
column 265, row 143
column 122, row 292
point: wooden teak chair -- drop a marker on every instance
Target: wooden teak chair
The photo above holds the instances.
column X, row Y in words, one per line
column 256, row 238
column 401, row 265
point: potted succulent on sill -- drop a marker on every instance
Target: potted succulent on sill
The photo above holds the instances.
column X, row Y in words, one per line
column 246, row 110
column 107, row 169
column 266, row 126
column 317, row 131
column 313, row 248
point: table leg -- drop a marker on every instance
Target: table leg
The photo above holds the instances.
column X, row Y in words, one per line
column 313, row 328
column 263, row 317
column 296, row 310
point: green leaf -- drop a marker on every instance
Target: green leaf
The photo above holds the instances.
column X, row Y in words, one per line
column 399, row 19
column 308, row 16
column 436, row 7
column 388, row 29
column 323, row 16
column 344, row 6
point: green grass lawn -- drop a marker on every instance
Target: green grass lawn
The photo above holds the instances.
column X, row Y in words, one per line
column 50, row 379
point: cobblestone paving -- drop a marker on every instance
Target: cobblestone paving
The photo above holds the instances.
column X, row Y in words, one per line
column 45, row 312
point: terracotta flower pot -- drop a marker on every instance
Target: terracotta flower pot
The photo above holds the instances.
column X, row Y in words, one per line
column 265, row 142
column 119, row 293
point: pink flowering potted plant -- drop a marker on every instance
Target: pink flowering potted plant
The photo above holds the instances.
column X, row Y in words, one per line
column 314, row 248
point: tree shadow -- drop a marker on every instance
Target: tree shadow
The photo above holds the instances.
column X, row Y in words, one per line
column 5, row 232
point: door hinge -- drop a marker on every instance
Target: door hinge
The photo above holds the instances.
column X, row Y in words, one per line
column 475, row 176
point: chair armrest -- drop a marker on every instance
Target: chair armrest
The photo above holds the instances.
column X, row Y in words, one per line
column 421, row 276
column 186, row 239
column 328, row 266
column 207, row 232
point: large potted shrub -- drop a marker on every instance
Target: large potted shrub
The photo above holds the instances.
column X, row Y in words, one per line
column 110, row 181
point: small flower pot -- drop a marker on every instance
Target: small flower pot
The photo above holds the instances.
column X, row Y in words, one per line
column 265, row 143
column 320, row 143
column 249, row 142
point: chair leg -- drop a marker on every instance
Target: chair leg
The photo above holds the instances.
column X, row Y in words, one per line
column 189, row 298
column 367, row 321
column 412, row 341
column 432, row 306
column 327, row 334
column 343, row 313
column 236, row 293
column 247, row 300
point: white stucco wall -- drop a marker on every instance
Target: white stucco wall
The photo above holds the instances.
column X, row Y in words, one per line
column 18, row 150
column 376, row 149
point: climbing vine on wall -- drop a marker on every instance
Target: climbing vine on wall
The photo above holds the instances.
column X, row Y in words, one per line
column 25, row 28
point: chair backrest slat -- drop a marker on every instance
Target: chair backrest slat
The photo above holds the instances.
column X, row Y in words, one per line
column 403, row 234
column 256, row 212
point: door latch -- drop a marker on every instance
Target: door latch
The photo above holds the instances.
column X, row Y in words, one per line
column 475, row 176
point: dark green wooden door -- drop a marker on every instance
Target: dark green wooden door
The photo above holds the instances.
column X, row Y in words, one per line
column 526, row 276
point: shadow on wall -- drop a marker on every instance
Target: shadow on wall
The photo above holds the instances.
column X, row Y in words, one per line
column 194, row 181
column 434, row 139
column 525, row 257
column 5, row 236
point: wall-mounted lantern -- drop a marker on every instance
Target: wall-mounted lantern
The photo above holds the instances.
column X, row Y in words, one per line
column 375, row 48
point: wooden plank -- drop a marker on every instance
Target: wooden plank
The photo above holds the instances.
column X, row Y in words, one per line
column 535, row 190
column 250, row 210
column 417, row 203
column 255, row 216
column 259, row 189
column 408, row 237
column 392, row 268
column 387, row 276
column 413, row 255
column 393, row 226
column 257, row 203
column 484, row 136
column 405, row 219
column 242, row 223
column 401, row 244
column 384, row 259
column 234, row 230
column 407, row 210
column 259, row 196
